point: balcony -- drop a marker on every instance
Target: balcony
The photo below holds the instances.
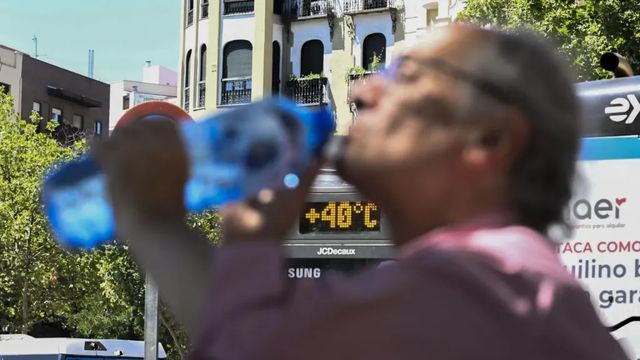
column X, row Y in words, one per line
column 234, row 7
column 202, row 91
column 355, row 6
column 186, row 99
column 299, row 9
column 307, row 91
column 360, row 78
column 236, row 91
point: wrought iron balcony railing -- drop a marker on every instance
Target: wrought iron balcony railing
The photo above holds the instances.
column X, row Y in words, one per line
column 308, row 91
column 236, row 91
column 238, row 7
column 353, row 6
column 186, row 99
column 202, row 91
column 360, row 78
column 307, row 8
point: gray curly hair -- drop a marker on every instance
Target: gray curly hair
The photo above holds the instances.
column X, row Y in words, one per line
column 527, row 67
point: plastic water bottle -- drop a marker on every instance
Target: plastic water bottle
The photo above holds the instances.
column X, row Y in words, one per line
column 233, row 155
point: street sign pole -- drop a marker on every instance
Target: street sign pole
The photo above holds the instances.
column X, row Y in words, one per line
column 150, row 319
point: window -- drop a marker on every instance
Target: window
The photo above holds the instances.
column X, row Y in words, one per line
column 37, row 108
column 311, row 59
column 202, row 74
column 204, row 13
column 186, row 99
column 203, row 63
column 78, row 122
column 97, row 127
column 189, row 12
column 278, row 6
column 5, row 88
column 126, row 102
column 237, row 59
column 373, row 47
column 275, row 69
column 236, row 73
column 56, row 114
column 187, row 69
column 432, row 15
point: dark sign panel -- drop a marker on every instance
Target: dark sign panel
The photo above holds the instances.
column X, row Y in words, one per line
column 318, row 268
column 610, row 107
column 339, row 217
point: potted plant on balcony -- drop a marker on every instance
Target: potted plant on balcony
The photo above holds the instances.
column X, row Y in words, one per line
column 359, row 72
column 354, row 73
column 307, row 89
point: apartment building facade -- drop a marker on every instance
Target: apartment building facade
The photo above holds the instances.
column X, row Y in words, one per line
column 78, row 103
column 313, row 51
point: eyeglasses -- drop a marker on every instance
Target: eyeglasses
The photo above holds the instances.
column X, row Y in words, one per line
column 486, row 86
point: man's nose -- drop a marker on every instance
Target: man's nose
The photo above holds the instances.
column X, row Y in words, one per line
column 367, row 93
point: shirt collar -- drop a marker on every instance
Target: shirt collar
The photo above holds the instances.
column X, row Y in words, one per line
column 457, row 233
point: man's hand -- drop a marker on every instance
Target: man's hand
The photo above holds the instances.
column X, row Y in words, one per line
column 146, row 167
column 269, row 216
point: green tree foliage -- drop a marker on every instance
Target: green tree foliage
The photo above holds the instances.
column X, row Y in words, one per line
column 582, row 29
column 97, row 294
column 29, row 258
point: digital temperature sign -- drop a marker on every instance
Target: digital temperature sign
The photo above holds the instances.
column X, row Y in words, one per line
column 339, row 217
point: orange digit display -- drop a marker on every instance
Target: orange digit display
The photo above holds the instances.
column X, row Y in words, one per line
column 339, row 217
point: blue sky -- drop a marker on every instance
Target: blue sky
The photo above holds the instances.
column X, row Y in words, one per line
column 123, row 33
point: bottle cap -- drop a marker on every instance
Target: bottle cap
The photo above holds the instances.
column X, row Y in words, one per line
column 152, row 109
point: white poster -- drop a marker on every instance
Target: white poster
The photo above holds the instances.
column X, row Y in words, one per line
column 604, row 251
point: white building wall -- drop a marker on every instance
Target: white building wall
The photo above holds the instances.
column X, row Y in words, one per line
column 11, row 73
column 138, row 92
column 278, row 35
column 202, row 39
column 416, row 27
column 372, row 23
column 303, row 31
column 237, row 27
column 190, row 44
column 157, row 74
column 115, row 103
column 455, row 7
column 416, row 20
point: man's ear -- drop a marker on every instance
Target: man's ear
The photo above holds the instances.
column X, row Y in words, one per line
column 496, row 144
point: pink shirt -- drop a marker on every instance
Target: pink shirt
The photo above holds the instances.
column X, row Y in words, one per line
column 481, row 290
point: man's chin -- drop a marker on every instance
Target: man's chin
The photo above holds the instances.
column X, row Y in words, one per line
column 352, row 167
column 354, row 172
